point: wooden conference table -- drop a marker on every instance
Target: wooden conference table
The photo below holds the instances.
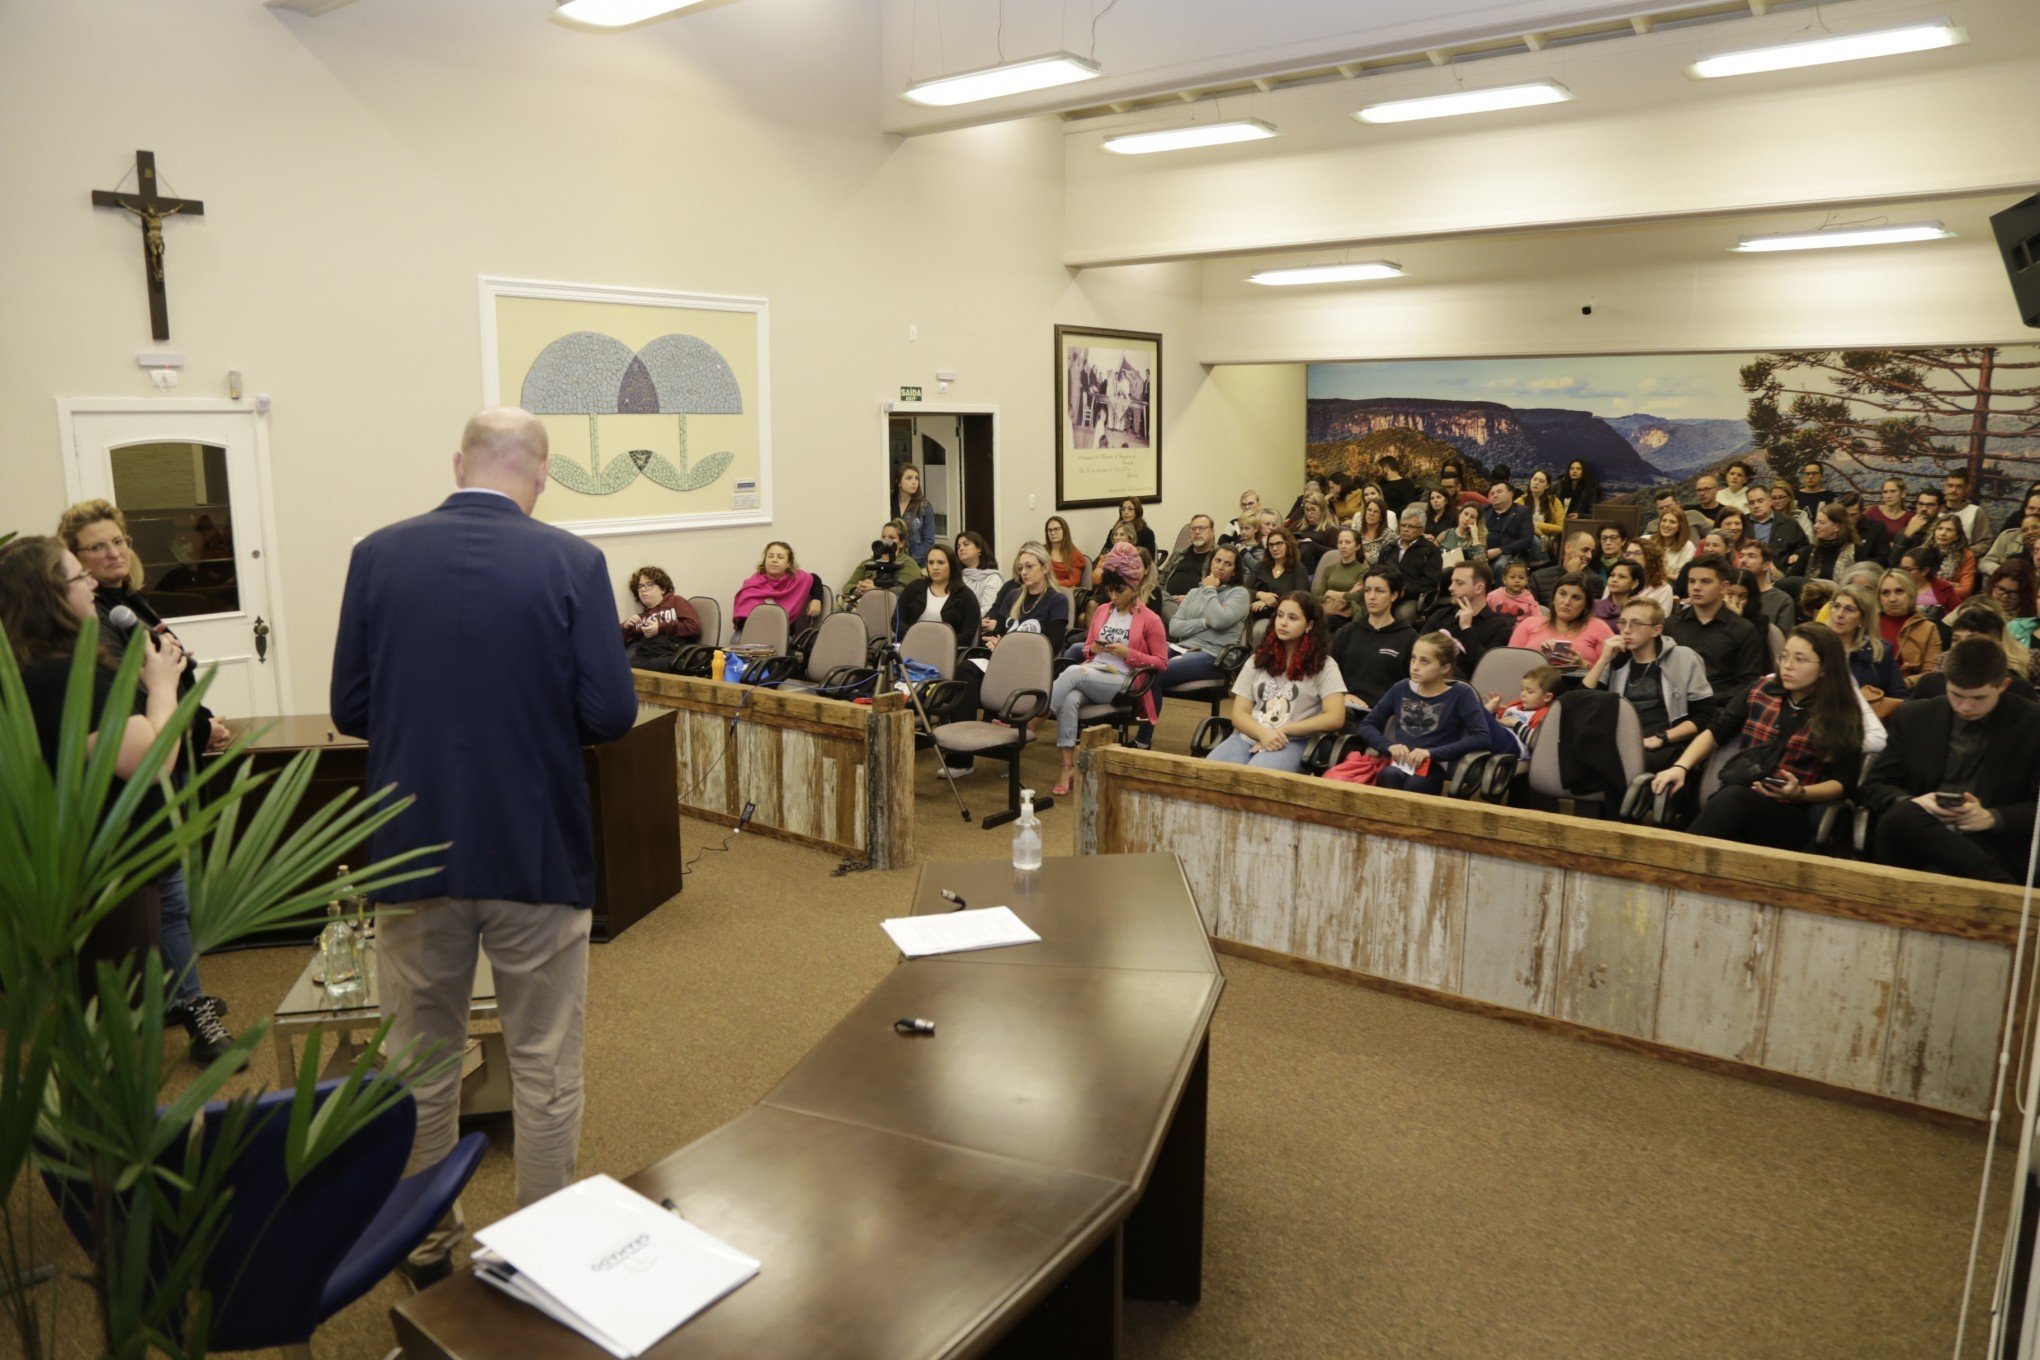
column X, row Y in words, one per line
column 994, row 1188
column 633, row 794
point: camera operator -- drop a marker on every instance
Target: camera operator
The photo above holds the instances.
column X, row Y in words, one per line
column 888, row 568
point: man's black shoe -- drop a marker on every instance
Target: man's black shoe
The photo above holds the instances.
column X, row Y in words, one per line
column 209, row 1038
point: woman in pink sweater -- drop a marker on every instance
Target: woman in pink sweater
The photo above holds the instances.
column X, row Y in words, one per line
column 1567, row 633
column 1124, row 635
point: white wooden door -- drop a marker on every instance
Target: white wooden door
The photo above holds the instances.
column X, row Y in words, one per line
column 193, row 487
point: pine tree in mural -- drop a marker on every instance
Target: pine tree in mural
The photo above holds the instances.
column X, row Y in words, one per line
column 1868, row 414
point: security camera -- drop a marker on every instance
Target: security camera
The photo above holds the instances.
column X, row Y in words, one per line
column 1587, row 310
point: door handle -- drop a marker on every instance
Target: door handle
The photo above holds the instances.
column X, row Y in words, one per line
column 261, row 640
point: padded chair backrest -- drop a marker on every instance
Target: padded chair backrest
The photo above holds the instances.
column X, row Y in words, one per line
column 840, row 641
column 876, row 609
column 932, row 643
column 1070, row 605
column 765, row 626
column 710, row 613
column 1257, row 630
column 1317, row 578
column 282, row 1243
column 1775, row 639
column 1544, row 752
column 1501, row 671
column 1021, row 661
column 1182, row 539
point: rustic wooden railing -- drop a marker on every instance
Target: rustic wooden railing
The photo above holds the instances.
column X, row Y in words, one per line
column 1882, row 985
column 826, row 773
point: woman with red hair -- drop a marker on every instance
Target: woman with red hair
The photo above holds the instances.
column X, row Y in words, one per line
column 1289, row 692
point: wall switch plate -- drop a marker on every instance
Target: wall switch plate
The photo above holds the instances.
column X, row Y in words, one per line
column 1030, row 500
column 163, row 377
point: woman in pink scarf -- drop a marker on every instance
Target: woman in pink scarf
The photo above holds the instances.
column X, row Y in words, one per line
column 778, row 580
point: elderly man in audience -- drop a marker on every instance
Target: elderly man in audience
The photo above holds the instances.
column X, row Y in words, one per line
column 1665, row 683
column 1726, row 642
column 1191, row 565
column 1953, row 790
column 1467, row 618
column 1414, row 556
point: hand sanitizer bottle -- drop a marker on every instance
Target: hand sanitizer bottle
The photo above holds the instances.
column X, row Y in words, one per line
column 1027, row 834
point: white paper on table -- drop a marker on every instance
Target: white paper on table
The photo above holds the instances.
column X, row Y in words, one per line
column 957, row 932
column 604, row 1260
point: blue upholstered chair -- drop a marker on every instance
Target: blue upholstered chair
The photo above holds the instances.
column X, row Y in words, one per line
column 291, row 1257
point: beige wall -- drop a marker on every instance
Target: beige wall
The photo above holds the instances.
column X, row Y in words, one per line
column 360, row 170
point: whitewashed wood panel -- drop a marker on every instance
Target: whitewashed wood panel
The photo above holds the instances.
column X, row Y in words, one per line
column 704, row 783
column 756, row 756
column 1714, row 994
column 1831, row 999
column 1946, row 1016
column 1514, row 913
column 1413, row 912
column 1258, row 864
column 1324, row 920
column 1613, row 947
column 1197, row 835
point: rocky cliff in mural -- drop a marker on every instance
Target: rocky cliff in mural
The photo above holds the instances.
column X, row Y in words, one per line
column 1525, row 438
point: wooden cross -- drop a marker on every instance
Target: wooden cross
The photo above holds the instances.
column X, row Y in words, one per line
column 150, row 208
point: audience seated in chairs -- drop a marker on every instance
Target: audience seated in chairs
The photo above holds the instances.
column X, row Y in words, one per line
column 1211, row 618
column 1373, row 651
column 778, row 580
column 1135, row 522
column 1567, row 633
column 1512, row 596
column 1665, row 683
column 1955, row 563
column 1575, row 555
column 1904, row 629
column 979, row 570
column 939, row 593
column 1290, row 691
column 1625, row 578
column 1802, row 731
column 1436, row 720
column 1064, row 561
column 1982, row 619
column 1535, row 693
column 1467, row 618
column 663, row 625
column 1336, row 582
column 1193, row 563
column 1729, row 645
column 1030, row 602
column 1835, row 543
column 1953, row 791
column 1851, row 616
column 1372, row 525
column 1547, row 514
column 2017, row 538
column 888, row 568
column 2011, row 588
column 1508, row 528
column 1579, row 489
column 1415, row 558
column 1673, row 535
column 1278, row 574
column 1124, row 634
column 1466, row 540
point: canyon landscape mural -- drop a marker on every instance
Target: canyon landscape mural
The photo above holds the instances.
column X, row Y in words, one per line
column 1643, row 421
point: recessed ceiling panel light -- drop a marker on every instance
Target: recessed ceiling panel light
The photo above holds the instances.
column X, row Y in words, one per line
column 1183, row 138
column 1845, row 236
column 1328, row 273
column 1885, row 42
column 1466, row 101
column 1014, row 77
column 617, row 13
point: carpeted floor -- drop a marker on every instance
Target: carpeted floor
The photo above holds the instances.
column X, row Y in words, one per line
column 1386, row 1178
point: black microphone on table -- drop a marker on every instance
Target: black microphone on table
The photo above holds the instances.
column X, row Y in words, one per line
column 125, row 619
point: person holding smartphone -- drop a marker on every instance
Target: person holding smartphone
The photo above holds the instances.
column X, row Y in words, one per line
column 1802, row 733
column 1952, row 791
column 1566, row 632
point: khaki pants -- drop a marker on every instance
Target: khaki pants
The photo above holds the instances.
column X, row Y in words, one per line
column 425, row 962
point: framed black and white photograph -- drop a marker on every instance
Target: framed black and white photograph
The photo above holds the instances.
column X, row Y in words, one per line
column 1108, row 416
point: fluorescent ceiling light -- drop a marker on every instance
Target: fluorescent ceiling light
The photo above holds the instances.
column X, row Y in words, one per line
column 617, row 13
column 1466, row 101
column 1014, row 77
column 1198, row 134
column 1328, row 273
column 1845, row 236
column 1886, row 42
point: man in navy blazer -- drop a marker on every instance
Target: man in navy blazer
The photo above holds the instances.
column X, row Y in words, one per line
column 477, row 654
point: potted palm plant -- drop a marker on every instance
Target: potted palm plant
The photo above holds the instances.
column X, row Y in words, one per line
column 82, row 1080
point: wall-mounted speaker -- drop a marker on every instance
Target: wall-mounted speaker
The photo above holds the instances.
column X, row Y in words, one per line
column 2018, row 238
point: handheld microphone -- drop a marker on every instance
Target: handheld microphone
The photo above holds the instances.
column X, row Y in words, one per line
column 125, row 619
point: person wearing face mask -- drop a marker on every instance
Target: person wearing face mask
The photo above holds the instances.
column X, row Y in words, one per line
column 1802, row 730
column 1952, row 791
column 1124, row 634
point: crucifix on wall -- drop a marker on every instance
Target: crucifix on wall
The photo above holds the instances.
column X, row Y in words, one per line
column 150, row 208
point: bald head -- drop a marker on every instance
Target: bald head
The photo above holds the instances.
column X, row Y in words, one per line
column 503, row 449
